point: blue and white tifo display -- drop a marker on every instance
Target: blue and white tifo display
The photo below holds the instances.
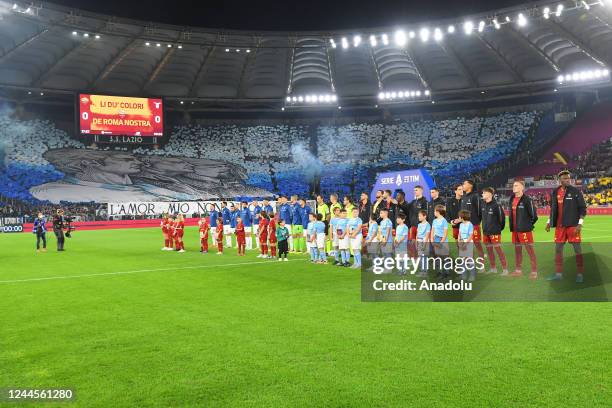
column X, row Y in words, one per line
column 405, row 180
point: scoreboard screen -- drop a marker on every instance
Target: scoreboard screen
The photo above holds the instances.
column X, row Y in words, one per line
column 120, row 115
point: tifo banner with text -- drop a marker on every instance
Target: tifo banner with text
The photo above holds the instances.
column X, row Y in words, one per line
column 176, row 207
column 119, row 115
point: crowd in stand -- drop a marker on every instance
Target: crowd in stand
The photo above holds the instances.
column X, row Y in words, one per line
column 281, row 159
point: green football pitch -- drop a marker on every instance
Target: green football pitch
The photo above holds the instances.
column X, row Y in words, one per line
column 125, row 324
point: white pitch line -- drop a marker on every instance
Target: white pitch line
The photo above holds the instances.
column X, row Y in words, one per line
column 133, row 272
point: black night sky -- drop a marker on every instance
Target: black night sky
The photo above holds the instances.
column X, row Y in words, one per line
column 289, row 15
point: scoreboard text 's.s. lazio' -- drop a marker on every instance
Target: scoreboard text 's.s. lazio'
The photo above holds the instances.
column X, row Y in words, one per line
column 120, row 115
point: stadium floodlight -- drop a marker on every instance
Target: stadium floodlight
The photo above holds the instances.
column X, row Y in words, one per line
column 356, row 40
column 237, row 49
column 182, row 102
column 496, row 24
column 560, row 78
column 300, row 98
column 586, row 5
column 400, row 38
column 248, row 51
column 559, row 11
column 418, row 94
column 344, row 43
column 97, row 36
column 147, row 44
column 42, row 94
column 546, row 13
column 400, row 94
column 411, row 34
column 74, row 33
column 283, row 109
column 387, row 95
column 288, row 99
column 169, row 45
column 373, row 40
column 522, row 20
column 481, row 26
column 86, row 35
column 393, row 95
column 158, row 45
column 227, row 50
column 438, row 34
column 468, row 27
column 385, row 39
column 381, row 95
column 427, row 92
column 334, row 98
column 605, row 72
column 332, row 42
column 307, row 98
column 424, row 34
column 28, row 10
column 508, row 19
column 179, row 47
column 294, row 99
column 14, row 6
column 451, row 29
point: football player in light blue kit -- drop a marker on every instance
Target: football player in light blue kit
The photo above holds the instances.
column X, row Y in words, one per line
column 311, row 238
column 439, row 236
column 333, row 228
column 343, row 238
column 401, row 241
column 372, row 243
column 422, row 238
column 320, row 241
column 385, row 233
column 466, row 243
column 355, row 236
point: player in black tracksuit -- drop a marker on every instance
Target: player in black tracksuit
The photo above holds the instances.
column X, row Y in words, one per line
column 453, row 206
column 493, row 222
column 435, row 200
column 523, row 216
column 471, row 202
column 567, row 212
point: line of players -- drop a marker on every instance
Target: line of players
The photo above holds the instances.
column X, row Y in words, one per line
column 395, row 225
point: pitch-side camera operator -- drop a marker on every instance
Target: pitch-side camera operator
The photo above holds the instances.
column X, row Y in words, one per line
column 60, row 224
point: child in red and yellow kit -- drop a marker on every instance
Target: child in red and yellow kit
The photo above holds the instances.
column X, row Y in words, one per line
column 240, row 236
column 204, row 228
column 219, row 237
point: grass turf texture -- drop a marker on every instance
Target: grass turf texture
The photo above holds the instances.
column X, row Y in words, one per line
column 198, row 330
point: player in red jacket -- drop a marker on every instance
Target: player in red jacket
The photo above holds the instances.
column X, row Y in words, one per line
column 179, row 230
column 240, row 236
column 219, row 236
column 272, row 235
column 262, row 234
column 204, row 228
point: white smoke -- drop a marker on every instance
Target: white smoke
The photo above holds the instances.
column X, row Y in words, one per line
column 307, row 162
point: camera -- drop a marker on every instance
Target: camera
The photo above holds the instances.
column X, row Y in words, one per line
column 69, row 227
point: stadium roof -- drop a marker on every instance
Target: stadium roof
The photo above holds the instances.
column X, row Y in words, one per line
column 510, row 52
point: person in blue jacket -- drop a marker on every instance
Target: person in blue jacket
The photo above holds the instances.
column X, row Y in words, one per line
column 40, row 229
